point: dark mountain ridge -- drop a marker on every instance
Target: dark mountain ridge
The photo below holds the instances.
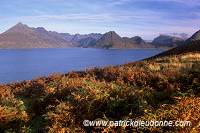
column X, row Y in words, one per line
column 111, row 40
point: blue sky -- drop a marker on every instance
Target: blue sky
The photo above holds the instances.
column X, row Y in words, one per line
column 145, row 18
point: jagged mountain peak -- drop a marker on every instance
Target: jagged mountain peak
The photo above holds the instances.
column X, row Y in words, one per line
column 18, row 28
column 41, row 30
column 111, row 35
column 19, row 24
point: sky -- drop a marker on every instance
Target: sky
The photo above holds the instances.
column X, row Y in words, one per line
column 145, row 18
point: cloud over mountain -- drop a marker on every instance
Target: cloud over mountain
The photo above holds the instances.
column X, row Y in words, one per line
column 180, row 35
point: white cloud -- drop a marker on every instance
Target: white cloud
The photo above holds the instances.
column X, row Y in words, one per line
column 82, row 17
column 118, row 2
column 115, row 3
column 180, row 35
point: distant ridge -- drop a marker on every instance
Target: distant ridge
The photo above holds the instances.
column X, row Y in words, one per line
column 21, row 36
column 76, row 40
column 111, row 40
column 86, row 40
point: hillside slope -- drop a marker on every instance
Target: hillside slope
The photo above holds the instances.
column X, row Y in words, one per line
column 194, row 37
column 193, row 46
column 21, row 36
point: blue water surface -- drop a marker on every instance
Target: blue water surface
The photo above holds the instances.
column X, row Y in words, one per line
column 26, row 64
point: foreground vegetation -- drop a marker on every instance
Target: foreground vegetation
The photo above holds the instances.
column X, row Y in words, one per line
column 164, row 88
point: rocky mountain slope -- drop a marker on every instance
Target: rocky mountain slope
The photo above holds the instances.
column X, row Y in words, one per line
column 111, row 40
column 85, row 40
column 51, row 34
column 21, row 36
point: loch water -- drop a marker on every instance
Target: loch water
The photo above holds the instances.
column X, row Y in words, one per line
column 26, row 64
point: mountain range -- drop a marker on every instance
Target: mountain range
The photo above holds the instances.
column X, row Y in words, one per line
column 21, row 36
column 111, row 40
